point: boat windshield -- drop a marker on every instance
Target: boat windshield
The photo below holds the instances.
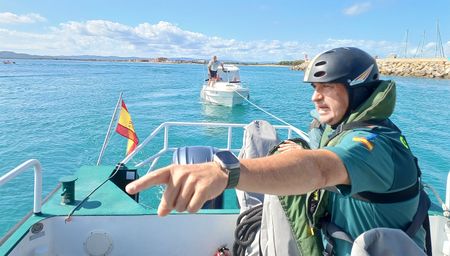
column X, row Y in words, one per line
column 231, row 74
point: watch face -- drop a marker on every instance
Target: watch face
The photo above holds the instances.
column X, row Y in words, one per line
column 227, row 158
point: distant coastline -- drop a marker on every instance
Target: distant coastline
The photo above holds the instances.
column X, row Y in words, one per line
column 8, row 55
column 424, row 67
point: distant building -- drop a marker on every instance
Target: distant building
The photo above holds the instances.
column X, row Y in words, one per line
column 161, row 59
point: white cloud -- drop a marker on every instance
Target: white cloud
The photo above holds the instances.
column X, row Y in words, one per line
column 164, row 39
column 20, row 41
column 11, row 18
column 101, row 37
column 357, row 9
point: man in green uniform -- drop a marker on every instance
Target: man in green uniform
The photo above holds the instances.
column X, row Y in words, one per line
column 361, row 155
column 376, row 157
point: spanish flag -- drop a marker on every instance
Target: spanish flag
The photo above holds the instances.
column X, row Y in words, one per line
column 126, row 129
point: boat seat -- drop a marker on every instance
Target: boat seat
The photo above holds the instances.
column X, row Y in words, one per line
column 196, row 155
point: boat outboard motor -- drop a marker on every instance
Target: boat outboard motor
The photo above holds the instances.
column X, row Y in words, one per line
column 197, row 155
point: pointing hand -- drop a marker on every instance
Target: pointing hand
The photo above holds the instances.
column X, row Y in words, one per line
column 188, row 187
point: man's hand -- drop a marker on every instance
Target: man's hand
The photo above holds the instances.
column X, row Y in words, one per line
column 188, row 187
column 288, row 145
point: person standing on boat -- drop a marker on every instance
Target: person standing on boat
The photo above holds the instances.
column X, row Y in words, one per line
column 213, row 67
column 361, row 154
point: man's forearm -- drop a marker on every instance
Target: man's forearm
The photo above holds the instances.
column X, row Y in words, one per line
column 292, row 172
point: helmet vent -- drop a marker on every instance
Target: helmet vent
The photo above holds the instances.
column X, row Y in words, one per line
column 320, row 63
column 320, row 74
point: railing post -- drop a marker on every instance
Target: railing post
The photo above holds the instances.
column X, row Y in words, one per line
column 447, row 191
column 229, row 138
column 166, row 137
column 37, row 187
column 37, row 180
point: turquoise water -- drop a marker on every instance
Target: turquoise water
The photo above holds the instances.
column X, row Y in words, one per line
column 59, row 111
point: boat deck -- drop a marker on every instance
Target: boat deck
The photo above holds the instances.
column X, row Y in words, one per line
column 108, row 201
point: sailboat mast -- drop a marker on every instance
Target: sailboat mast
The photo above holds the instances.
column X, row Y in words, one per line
column 406, row 44
column 439, row 53
column 419, row 49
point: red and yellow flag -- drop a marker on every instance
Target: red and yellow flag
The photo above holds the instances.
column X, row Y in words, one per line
column 126, row 129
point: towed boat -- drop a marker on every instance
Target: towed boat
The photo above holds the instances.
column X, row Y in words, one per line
column 227, row 90
column 90, row 214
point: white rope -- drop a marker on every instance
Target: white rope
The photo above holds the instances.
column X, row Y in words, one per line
column 444, row 206
column 263, row 110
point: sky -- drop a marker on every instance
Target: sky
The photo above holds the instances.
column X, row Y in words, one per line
column 241, row 30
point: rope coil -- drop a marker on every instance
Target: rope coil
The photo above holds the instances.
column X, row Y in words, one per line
column 247, row 226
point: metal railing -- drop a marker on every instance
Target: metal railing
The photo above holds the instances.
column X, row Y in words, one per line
column 37, row 180
column 447, row 192
column 152, row 160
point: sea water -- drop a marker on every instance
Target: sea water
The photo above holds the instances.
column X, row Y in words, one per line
column 58, row 112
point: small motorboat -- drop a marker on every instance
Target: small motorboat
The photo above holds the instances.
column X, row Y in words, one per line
column 227, row 90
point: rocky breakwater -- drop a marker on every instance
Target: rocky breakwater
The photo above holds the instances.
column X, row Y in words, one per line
column 429, row 68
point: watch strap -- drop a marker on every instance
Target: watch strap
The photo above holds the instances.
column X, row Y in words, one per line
column 233, row 177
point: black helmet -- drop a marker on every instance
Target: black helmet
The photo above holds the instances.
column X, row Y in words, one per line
column 348, row 65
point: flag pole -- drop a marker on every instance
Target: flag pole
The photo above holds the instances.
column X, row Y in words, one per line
column 108, row 134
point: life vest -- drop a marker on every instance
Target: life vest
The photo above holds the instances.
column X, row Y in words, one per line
column 309, row 220
column 276, row 229
column 304, row 213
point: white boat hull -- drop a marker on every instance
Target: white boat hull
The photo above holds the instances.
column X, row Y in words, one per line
column 440, row 240
column 177, row 234
column 225, row 94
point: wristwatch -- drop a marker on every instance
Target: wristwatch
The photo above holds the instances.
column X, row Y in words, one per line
column 230, row 165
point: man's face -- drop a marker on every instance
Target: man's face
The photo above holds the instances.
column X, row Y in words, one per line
column 331, row 101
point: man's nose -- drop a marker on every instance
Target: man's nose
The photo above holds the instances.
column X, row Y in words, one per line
column 316, row 96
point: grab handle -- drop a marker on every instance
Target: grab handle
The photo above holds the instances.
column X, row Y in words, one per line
column 37, row 180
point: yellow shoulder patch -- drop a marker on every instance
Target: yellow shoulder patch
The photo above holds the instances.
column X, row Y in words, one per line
column 365, row 142
column 404, row 142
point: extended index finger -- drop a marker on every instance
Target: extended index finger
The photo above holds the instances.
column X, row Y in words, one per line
column 160, row 176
